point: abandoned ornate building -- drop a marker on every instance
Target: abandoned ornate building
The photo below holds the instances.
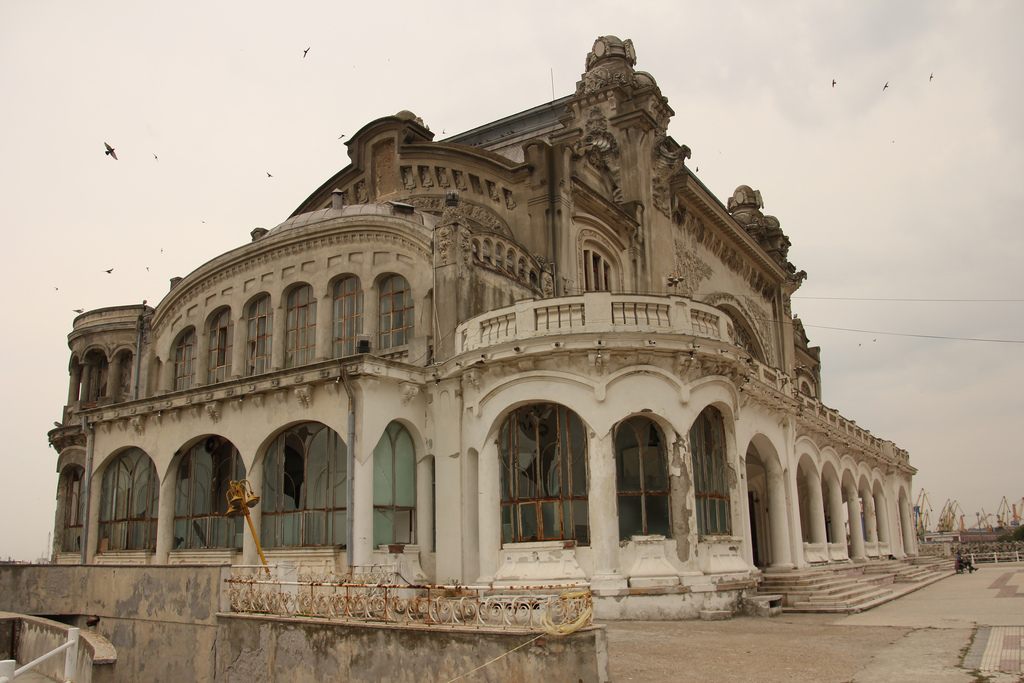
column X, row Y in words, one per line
column 538, row 352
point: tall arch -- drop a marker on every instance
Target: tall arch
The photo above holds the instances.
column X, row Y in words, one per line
column 201, row 477
column 769, row 517
column 710, row 473
column 128, row 502
column 641, row 479
column 394, row 487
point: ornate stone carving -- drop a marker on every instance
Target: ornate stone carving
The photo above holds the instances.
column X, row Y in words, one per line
column 304, row 395
column 745, row 205
column 754, row 315
column 669, row 159
column 689, row 271
column 459, row 178
column 425, row 179
column 408, row 178
column 213, row 410
column 601, row 150
column 443, row 235
column 138, row 423
column 409, row 391
column 547, row 284
column 609, row 63
column 362, row 196
column 476, row 217
column 442, row 176
column 728, row 255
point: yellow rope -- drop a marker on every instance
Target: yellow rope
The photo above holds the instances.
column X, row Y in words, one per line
column 550, row 629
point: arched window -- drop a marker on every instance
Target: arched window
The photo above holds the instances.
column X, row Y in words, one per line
column 200, row 496
column 128, row 503
column 74, row 509
column 710, row 479
column 396, row 312
column 641, row 476
column 348, row 315
column 597, row 271
column 543, row 450
column 220, row 333
column 94, row 379
column 260, row 323
column 303, row 498
column 300, row 340
column 394, row 487
column 184, row 355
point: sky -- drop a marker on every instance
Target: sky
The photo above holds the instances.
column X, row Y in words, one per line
column 894, row 194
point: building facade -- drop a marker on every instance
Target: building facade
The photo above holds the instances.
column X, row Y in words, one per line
column 538, row 352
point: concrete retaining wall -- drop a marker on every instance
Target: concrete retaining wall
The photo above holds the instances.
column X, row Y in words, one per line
column 33, row 637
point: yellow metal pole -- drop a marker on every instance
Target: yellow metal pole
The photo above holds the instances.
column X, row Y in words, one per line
column 256, row 540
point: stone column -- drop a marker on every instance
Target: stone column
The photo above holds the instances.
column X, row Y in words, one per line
column 114, row 377
column 870, row 519
column 75, row 384
column 239, row 339
column 882, row 520
column 601, row 508
column 371, row 324
column 167, row 374
column 489, row 510
column 856, row 531
column 361, row 508
column 87, row 380
column 277, row 341
column 425, row 504
column 906, row 526
column 778, row 520
column 165, row 517
column 325, row 329
column 94, row 505
column 796, row 540
column 816, row 510
column 835, row 498
column 202, row 362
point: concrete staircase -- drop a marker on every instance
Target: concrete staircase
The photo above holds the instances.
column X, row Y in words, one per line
column 849, row 588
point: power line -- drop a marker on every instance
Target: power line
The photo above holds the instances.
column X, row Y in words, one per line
column 957, row 301
column 919, row 336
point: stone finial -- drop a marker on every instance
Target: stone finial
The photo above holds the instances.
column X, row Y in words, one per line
column 610, row 63
column 257, row 233
column 744, row 197
column 611, row 48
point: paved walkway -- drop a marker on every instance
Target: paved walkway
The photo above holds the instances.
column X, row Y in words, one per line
column 964, row 629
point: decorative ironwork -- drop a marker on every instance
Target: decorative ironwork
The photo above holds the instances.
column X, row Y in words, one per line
column 381, row 600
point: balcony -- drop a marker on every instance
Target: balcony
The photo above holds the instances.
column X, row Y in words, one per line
column 594, row 312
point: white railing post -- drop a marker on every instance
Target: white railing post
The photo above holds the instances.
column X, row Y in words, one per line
column 7, row 670
column 71, row 655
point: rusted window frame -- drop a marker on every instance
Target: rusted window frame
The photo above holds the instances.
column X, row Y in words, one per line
column 275, row 485
column 386, row 455
column 642, row 429
column 396, row 312
column 220, row 333
column 199, row 525
column 118, row 524
column 517, row 477
column 74, row 509
column 710, row 478
column 347, row 296
column 300, row 326
column 259, row 340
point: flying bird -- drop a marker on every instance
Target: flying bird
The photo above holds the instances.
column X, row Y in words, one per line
column 885, row 86
column 110, row 150
column 108, row 271
column 78, row 310
column 341, row 136
column 268, row 175
column 930, row 77
column 833, row 82
column 304, row 52
column 156, row 157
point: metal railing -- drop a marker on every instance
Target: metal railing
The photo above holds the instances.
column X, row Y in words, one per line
column 8, row 672
column 996, row 556
column 526, row 610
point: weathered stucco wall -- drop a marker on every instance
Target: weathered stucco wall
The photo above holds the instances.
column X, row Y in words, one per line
column 151, row 615
column 253, row 649
column 168, row 623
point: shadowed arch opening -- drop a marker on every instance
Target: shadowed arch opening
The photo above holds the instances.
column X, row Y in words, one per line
column 710, row 473
column 128, row 503
column 304, row 499
column 201, row 482
column 73, row 508
column 543, row 452
column 641, row 478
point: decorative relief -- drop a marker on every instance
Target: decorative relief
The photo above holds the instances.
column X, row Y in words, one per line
column 755, row 316
column 509, row 201
column 492, row 191
column 669, row 159
column 601, row 150
column 408, row 178
column 442, row 177
column 138, row 424
column 213, row 410
column 409, row 391
column 459, row 178
column 425, row 179
column 304, row 395
column 362, row 196
column 689, row 271
column 729, row 256
column 444, row 244
column 476, row 216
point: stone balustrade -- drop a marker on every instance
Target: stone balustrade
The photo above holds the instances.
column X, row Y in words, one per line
column 593, row 312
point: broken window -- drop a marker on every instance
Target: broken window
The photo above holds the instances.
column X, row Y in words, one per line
column 200, row 496
column 641, row 477
column 300, row 337
column 710, row 480
column 543, row 450
column 348, row 315
column 128, row 503
column 303, row 498
column 220, row 334
column 394, row 487
column 184, row 355
column 74, row 509
column 396, row 312
column 260, row 324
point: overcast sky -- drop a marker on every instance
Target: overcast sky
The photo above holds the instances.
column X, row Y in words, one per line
column 908, row 193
